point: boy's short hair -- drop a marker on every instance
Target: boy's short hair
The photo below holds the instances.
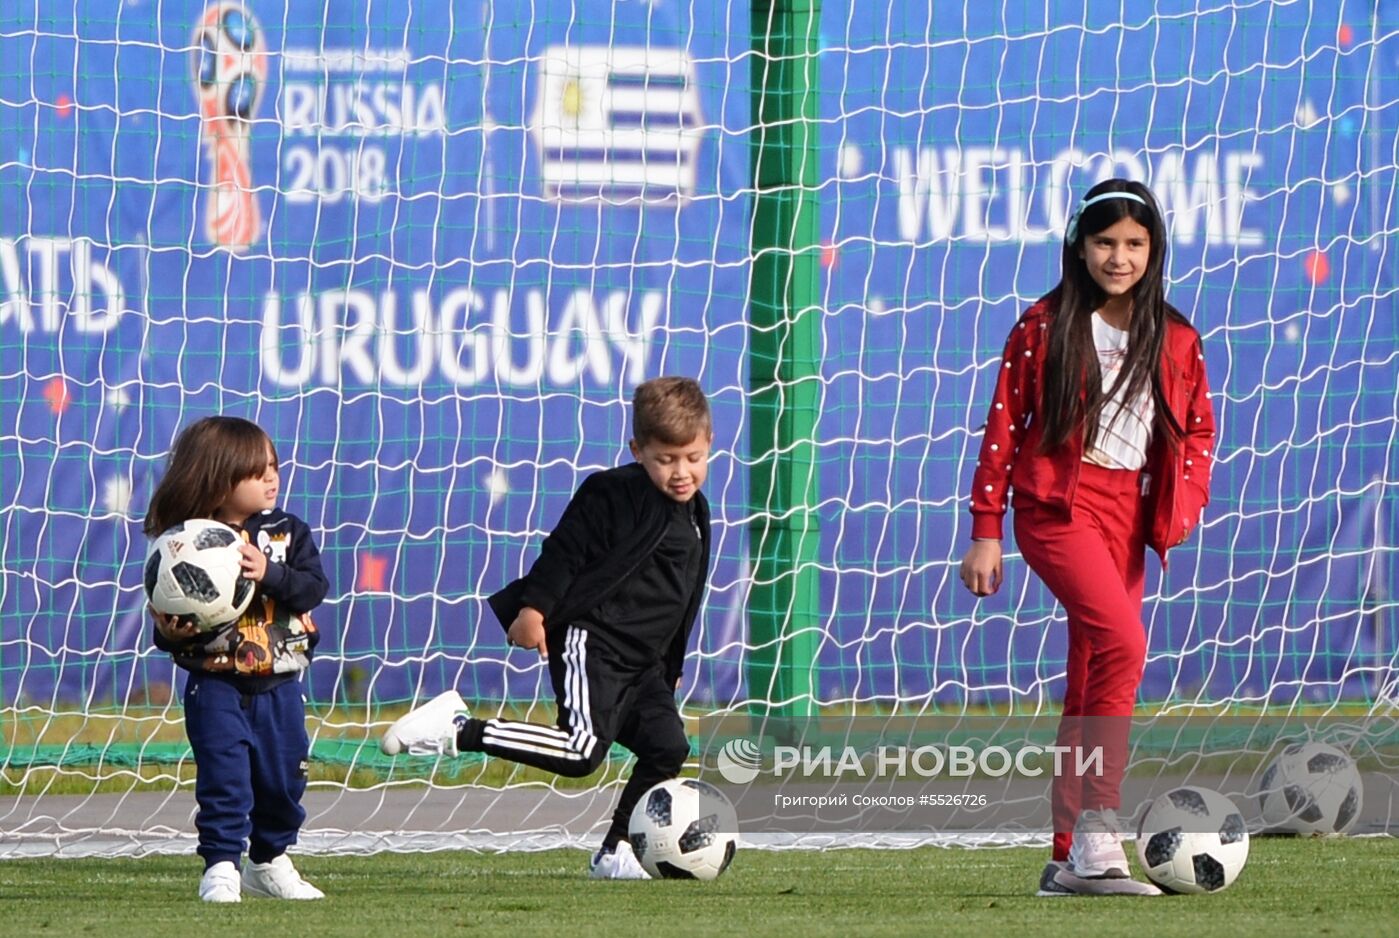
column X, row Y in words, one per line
column 671, row 411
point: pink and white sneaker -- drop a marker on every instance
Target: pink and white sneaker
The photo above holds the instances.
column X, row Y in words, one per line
column 1096, row 851
column 1057, row 880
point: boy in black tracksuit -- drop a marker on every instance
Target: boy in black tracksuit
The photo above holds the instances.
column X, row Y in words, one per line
column 610, row 602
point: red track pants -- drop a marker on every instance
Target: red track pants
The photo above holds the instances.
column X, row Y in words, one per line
column 1093, row 562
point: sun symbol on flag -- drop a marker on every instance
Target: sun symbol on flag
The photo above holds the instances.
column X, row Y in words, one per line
column 572, row 100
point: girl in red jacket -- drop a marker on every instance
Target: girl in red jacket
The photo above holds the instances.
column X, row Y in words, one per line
column 1101, row 427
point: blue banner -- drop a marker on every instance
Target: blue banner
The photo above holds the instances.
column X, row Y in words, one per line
column 431, row 248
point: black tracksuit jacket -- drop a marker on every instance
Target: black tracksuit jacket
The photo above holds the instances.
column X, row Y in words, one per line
column 613, row 524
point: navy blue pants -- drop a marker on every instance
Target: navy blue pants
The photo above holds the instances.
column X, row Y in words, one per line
column 250, row 767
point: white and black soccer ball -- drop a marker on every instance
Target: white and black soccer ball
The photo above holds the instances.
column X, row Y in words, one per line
column 1312, row 789
column 194, row 572
column 1192, row 840
column 684, row 828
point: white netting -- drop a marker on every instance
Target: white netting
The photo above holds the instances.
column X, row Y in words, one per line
column 433, row 254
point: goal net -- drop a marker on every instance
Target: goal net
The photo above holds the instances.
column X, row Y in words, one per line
column 432, row 248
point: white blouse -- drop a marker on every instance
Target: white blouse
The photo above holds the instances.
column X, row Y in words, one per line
column 1123, row 432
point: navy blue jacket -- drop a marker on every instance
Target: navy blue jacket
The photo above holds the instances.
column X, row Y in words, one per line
column 272, row 641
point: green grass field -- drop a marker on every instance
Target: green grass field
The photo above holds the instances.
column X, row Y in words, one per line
column 1290, row 887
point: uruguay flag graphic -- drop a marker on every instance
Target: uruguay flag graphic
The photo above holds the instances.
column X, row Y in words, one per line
column 617, row 124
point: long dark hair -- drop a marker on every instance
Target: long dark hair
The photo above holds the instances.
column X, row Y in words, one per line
column 1072, row 397
column 211, row 456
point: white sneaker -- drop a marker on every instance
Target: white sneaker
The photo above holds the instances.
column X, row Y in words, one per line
column 1096, row 851
column 277, row 879
column 220, row 883
column 428, row 730
column 620, row 863
column 1058, row 880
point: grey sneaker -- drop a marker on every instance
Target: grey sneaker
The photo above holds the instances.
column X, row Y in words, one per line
column 1096, row 852
column 1058, row 880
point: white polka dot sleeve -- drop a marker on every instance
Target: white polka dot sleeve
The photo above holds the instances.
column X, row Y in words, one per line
column 1006, row 423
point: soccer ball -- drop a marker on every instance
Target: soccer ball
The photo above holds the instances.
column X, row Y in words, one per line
column 1192, row 840
column 1310, row 788
column 194, row 572
column 684, row 829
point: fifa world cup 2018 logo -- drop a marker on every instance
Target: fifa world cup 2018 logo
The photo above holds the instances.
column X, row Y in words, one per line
column 230, row 70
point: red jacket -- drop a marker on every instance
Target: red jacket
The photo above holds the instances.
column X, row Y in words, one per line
column 1177, row 481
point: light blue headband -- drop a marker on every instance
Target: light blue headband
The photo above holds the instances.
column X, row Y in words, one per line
column 1071, row 232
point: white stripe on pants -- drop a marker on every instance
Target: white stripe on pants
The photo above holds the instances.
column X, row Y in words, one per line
column 575, row 744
